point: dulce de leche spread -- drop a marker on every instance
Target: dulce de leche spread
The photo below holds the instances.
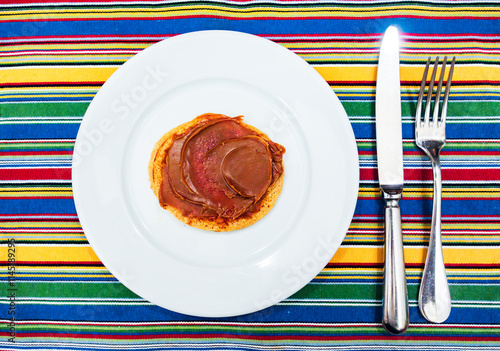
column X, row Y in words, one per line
column 219, row 167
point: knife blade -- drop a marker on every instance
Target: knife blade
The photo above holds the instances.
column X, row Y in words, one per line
column 391, row 179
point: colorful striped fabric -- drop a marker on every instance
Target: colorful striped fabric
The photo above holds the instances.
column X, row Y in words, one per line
column 57, row 295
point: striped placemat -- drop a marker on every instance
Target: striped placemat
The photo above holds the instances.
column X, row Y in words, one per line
column 57, row 295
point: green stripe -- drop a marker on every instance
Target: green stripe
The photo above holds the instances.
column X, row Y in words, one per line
column 450, row 145
column 39, row 109
column 374, row 292
column 310, row 291
column 74, row 290
column 353, row 108
column 456, row 108
column 37, row 146
column 250, row 329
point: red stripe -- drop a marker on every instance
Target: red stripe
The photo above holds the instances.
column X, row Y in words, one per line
column 459, row 265
column 448, row 152
column 38, row 215
column 54, row 263
column 259, row 18
column 239, row 335
column 445, row 197
column 414, row 265
column 35, row 173
column 52, row 84
column 34, row 153
column 84, row 39
column 36, row 197
column 462, row 174
column 355, row 264
column 16, row 2
column 219, row 323
column 373, row 36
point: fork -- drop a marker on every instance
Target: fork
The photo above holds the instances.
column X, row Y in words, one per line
column 434, row 296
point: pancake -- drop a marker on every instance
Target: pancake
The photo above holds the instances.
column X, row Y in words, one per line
column 217, row 173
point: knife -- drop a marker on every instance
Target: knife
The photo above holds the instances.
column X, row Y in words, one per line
column 390, row 174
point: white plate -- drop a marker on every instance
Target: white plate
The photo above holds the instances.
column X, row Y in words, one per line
column 198, row 272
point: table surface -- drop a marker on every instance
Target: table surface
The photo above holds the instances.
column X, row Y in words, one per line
column 56, row 294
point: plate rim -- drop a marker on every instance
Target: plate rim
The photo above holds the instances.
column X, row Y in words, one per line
column 79, row 206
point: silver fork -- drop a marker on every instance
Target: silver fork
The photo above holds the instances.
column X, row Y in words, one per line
column 434, row 297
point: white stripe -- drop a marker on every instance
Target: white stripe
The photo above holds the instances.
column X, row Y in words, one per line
column 42, row 118
column 52, row 67
column 334, row 300
column 275, row 2
column 24, row 231
column 34, row 167
column 38, row 216
column 213, row 323
column 36, row 181
column 97, row 38
column 455, row 141
column 36, row 141
column 242, row 324
column 76, row 303
column 51, row 101
column 72, row 52
column 90, row 299
column 245, row 345
column 419, row 246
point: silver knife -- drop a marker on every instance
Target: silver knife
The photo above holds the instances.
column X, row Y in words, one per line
column 390, row 174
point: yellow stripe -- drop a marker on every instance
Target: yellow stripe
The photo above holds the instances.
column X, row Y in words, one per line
column 64, row 269
column 369, row 73
column 65, row 275
column 329, row 73
column 410, row 271
column 82, row 89
column 74, row 224
column 48, row 235
column 53, row 253
column 327, row 44
column 46, row 95
column 55, row 74
column 221, row 10
column 416, row 255
column 41, row 59
column 343, row 255
column 35, row 189
column 425, row 225
column 363, row 277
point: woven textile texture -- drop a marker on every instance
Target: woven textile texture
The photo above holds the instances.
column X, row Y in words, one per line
column 56, row 293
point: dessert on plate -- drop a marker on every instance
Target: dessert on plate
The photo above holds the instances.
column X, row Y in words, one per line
column 217, row 172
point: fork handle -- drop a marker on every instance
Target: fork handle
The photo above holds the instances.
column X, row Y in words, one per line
column 434, row 296
column 395, row 306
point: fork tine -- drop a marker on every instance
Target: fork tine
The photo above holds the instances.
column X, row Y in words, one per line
column 418, row 112
column 429, row 93
column 447, row 92
column 438, row 93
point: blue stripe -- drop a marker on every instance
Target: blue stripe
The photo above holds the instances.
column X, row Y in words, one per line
column 453, row 130
column 34, row 131
column 262, row 27
column 363, row 206
column 12, row 165
column 424, row 207
column 368, row 97
column 282, row 313
column 49, row 99
column 37, row 206
column 361, row 131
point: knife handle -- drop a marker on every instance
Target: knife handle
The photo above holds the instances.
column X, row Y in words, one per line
column 395, row 303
